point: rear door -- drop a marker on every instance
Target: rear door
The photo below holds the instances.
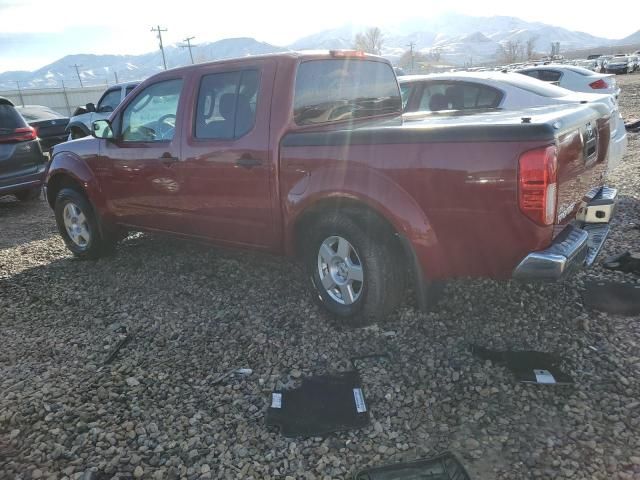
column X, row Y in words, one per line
column 226, row 169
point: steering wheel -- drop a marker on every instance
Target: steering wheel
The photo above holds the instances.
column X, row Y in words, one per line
column 162, row 123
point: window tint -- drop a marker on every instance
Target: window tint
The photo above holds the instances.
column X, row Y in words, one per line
column 226, row 105
column 109, row 101
column 151, row 116
column 10, row 119
column 438, row 96
column 343, row 89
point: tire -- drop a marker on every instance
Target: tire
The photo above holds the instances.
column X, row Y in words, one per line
column 79, row 227
column 30, row 195
column 339, row 252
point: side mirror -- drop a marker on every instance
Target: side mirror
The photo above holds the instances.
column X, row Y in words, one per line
column 90, row 107
column 102, row 129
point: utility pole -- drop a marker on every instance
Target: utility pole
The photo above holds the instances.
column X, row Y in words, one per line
column 76, row 66
column 160, row 30
column 188, row 45
column 115, row 74
column 411, row 45
column 20, row 93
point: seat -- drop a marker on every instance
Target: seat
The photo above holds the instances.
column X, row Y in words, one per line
column 455, row 95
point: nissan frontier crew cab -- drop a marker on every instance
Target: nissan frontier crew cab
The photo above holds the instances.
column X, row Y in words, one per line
column 307, row 155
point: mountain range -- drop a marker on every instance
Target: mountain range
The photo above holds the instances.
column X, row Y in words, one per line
column 459, row 39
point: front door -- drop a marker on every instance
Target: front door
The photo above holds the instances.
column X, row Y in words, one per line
column 226, row 169
column 140, row 173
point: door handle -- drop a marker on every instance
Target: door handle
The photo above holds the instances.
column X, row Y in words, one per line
column 168, row 159
column 247, row 161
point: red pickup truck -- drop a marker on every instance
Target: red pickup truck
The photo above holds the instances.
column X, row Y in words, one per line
column 308, row 155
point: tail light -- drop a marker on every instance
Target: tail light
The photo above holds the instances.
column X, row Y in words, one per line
column 599, row 84
column 538, row 184
column 347, row 53
column 22, row 134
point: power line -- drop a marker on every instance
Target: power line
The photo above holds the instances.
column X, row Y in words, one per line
column 160, row 30
column 188, row 45
column 76, row 66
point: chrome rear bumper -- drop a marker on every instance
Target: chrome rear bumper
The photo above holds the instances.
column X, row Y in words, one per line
column 576, row 246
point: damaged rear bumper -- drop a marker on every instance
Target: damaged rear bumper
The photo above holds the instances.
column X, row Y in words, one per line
column 577, row 246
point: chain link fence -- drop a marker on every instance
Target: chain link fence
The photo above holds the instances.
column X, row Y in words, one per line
column 62, row 99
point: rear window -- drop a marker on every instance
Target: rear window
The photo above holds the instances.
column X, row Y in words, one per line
column 33, row 114
column 580, row 70
column 10, row 119
column 534, row 86
column 344, row 89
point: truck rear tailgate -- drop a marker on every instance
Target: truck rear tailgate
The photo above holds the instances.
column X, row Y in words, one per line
column 582, row 155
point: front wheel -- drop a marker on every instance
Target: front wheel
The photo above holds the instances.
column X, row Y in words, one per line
column 78, row 225
column 356, row 277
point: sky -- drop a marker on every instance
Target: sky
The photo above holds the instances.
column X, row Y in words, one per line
column 34, row 33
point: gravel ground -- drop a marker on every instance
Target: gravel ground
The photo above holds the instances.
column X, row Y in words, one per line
column 192, row 313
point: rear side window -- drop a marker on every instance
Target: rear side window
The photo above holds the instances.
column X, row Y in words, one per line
column 405, row 91
column 129, row 89
column 10, row 119
column 438, row 96
column 226, row 105
column 109, row 101
column 344, row 89
column 544, row 75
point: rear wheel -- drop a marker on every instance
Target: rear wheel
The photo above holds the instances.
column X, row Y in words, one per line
column 356, row 277
column 78, row 225
column 30, row 195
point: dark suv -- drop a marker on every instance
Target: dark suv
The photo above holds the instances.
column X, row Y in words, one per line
column 22, row 164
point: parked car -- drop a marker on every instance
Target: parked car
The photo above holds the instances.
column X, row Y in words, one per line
column 466, row 91
column 22, row 164
column 308, row 155
column 574, row 78
column 634, row 63
column 80, row 123
column 619, row 64
column 49, row 124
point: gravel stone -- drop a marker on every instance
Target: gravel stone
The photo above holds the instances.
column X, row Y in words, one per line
column 194, row 313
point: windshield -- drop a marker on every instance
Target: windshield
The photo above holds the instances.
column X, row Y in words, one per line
column 344, row 89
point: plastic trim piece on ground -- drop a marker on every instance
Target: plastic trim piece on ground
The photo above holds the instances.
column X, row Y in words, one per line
column 613, row 297
column 442, row 467
column 322, row 404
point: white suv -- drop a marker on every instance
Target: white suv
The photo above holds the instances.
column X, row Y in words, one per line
column 80, row 124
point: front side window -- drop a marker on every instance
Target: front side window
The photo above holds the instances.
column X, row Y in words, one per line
column 151, row 116
column 344, row 89
column 226, row 106
column 109, row 101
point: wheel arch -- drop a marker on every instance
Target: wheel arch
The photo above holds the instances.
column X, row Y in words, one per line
column 370, row 216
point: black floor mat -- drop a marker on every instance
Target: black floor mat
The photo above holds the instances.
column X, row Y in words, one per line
column 627, row 262
column 529, row 366
column 613, row 297
column 442, row 467
column 323, row 404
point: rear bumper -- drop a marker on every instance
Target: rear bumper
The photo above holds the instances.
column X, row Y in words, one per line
column 27, row 181
column 577, row 246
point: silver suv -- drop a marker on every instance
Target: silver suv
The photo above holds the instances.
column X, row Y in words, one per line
column 80, row 124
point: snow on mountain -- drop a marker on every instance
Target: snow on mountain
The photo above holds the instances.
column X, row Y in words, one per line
column 99, row 69
column 458, row 38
